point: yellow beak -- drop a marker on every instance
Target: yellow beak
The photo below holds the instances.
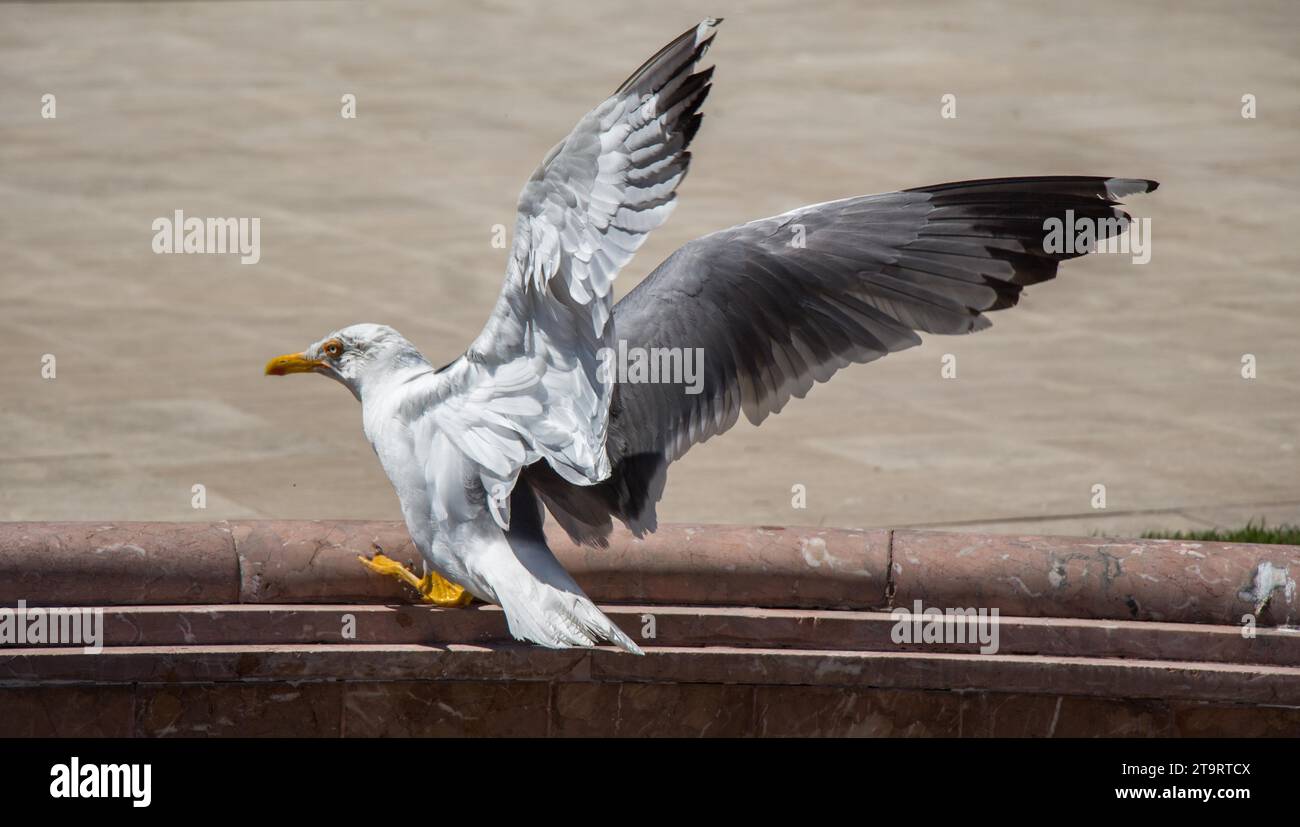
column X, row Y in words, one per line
column 291, row 363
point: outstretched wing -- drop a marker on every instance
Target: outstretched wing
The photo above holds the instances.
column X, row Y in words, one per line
column 780, row 304
column 530, row 385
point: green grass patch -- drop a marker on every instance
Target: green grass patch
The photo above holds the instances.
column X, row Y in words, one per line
column 1284, row 534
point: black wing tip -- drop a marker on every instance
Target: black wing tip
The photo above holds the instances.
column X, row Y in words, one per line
column 1097, row 186
column 690, row 127
column 699, row 37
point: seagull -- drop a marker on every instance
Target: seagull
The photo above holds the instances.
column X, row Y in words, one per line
column 532, row 418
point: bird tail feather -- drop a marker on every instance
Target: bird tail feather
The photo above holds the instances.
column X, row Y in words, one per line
column 558, row 618
column 542, row 601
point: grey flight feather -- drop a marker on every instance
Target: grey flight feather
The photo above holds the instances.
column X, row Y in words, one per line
column 774, row 318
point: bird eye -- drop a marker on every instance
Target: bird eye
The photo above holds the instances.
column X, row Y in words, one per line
column 333, row 348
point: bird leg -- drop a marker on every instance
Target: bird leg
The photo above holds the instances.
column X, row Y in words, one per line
column 432, row 587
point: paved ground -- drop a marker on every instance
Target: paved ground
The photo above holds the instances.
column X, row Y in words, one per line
column 1122, row 375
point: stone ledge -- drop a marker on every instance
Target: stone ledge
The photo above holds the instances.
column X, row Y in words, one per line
column 237, row 629
column 314, row 562
column 689, row 626
column 532, row 709
column 1095, row 677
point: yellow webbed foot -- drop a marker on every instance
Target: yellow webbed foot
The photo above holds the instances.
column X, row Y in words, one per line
column 442, row 592
column 433, row 588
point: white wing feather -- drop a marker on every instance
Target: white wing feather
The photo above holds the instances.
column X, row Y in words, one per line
column 531, row 385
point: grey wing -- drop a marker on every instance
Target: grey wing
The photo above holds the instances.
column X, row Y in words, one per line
column 581, row 216
column 782, row 303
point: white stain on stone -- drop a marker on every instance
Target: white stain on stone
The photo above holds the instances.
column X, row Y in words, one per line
column 1269, row 578
column 814, row 551
column 1056, row 575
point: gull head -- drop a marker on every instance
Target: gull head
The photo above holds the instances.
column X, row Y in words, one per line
column 358, row 356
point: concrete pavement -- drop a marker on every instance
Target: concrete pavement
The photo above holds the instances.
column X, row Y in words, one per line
column 1122, row 375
